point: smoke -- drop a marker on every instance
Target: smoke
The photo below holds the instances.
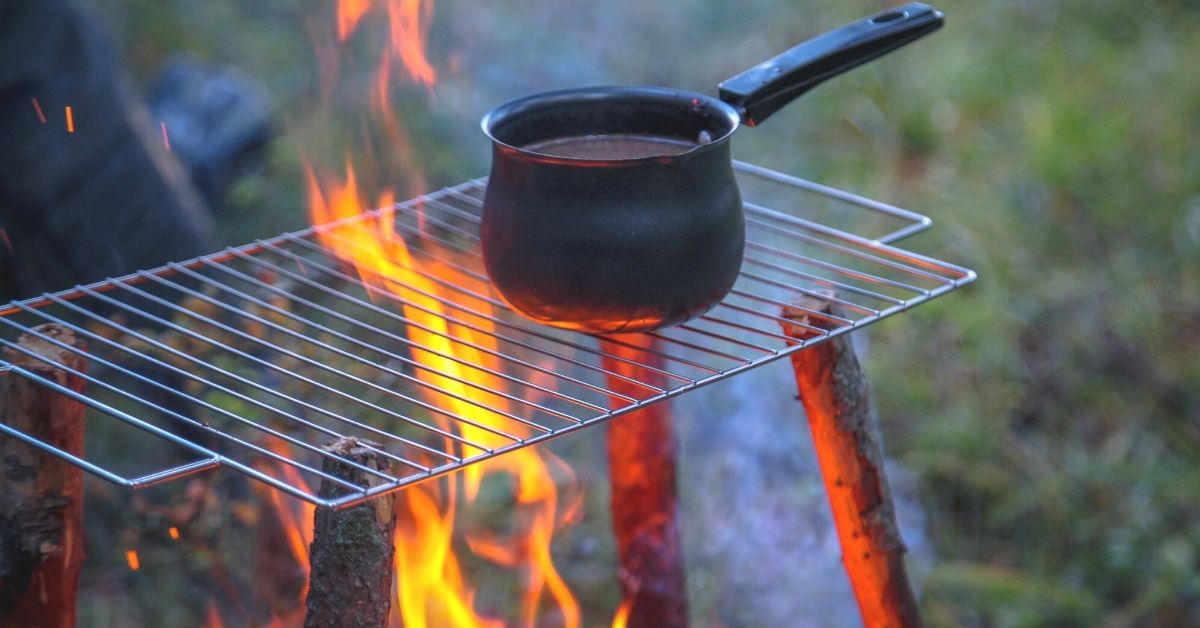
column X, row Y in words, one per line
column 761, row 546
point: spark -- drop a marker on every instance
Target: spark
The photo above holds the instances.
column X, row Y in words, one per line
column 70, row 120
column 131, row 557
column 7, row 242
column 173, row 532
column 38, row 108
column 166, row 140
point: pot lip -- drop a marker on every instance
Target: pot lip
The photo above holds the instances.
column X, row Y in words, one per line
column 668, row 95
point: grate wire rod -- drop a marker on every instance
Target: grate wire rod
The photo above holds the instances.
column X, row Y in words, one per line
column 459, row 307
column 533, row 332
column 370, row 347
column 920, row 222
column 95, row 405
column 837, row 268
column 137, row 422
column 307, row 380
column 478, row 275
column 333, row 415
column 850, row 305
column 500, row 304
column 191, row 399
column 238, row 378
column 342, row 352
column 887, row 255
column 823, row 281
column 407, row 321
column 686, row 326
column 552, row 378
column 774, row 318
column 410, row 343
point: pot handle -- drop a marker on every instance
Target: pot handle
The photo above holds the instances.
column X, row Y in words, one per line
column 765, row 88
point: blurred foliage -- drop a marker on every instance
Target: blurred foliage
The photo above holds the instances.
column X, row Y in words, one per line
column 1052, row 410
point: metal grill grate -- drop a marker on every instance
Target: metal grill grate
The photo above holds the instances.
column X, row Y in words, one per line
column 252, row 357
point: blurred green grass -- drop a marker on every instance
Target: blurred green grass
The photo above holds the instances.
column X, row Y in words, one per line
column 1052, row 410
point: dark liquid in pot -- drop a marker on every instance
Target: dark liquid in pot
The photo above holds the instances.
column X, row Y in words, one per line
column 611, row 146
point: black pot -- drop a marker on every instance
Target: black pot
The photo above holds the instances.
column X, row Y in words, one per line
column 602, row 243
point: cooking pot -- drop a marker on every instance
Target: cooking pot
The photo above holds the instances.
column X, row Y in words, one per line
column 615, row 209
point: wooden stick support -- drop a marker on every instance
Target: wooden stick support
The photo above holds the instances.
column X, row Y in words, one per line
column 837, row 400
column 644, row 502
column 41, row 496
column 350, row 584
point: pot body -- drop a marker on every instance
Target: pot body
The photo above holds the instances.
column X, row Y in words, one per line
column 612, row 245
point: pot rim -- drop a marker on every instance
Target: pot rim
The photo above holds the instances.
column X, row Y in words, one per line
column 665, row 95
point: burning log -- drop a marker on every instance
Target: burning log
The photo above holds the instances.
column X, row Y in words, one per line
column 350, row 584
column 837, row 400
column 644, row 502
column 41, row 496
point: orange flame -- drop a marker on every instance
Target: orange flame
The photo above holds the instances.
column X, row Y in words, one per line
column 431, row 589
column 621, row 617
column 349, row 12
column 131, row 558
column 408, row 32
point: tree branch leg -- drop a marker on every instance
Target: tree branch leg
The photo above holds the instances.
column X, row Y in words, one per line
column 350, row 585
column 837, row 400
column 41, row 496
column 644, row 502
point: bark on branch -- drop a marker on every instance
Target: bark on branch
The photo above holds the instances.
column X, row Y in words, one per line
column 350, row 585
column 41, row 496
column 644, row 502
column 837, row 400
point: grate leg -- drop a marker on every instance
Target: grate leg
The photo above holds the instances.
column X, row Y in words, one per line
column 352, row 549
column 41, row 496
column 837, row 401
column 644, row 502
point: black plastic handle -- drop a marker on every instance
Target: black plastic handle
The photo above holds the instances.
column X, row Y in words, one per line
column 765, row 88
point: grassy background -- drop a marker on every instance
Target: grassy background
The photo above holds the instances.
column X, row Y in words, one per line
column 1052, row 410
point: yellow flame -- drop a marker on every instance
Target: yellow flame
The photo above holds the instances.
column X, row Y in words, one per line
column 621, row 617
column 430, row 585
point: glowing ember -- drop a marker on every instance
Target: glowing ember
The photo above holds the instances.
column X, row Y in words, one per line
column 5, row 240
column 131, row 558
column 212, row 617
column 173, row 532
column 70, row 120
column 166, row 140
column 38, row 108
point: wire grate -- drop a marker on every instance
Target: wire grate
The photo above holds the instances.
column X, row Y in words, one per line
column 253, row 357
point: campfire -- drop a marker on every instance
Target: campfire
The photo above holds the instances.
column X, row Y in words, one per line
column 367, row 379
